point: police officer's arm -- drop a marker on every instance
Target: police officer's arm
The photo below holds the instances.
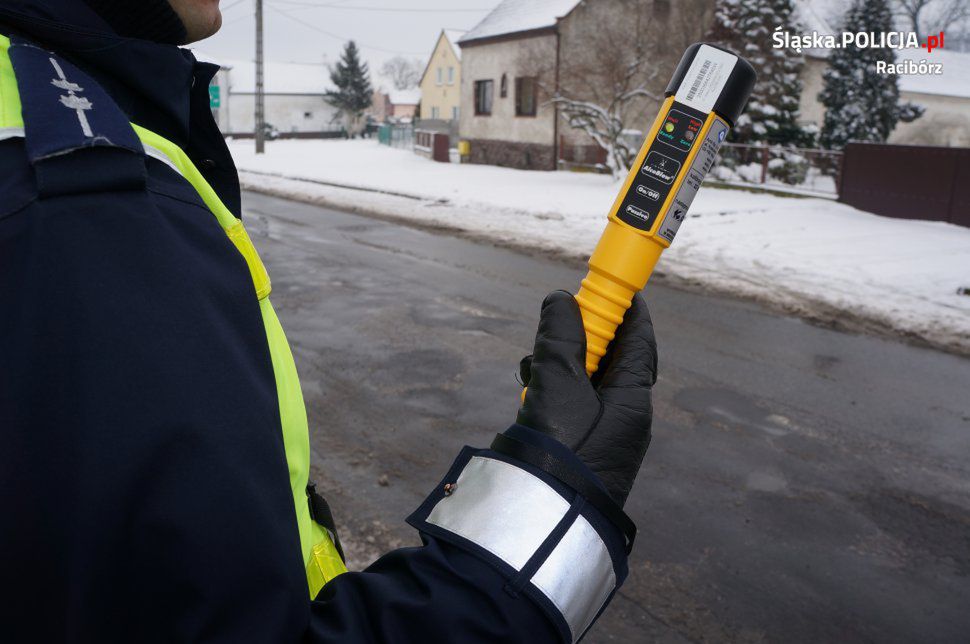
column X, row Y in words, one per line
column 526, row 541
column 136, row 390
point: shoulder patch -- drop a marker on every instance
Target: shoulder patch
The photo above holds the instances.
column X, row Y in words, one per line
column 63, row 108
column 64, row 111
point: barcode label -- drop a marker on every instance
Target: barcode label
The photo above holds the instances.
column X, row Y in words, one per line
column 706, row 77
column 697, row 83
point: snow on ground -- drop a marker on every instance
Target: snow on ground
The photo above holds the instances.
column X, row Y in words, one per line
column 817, row 257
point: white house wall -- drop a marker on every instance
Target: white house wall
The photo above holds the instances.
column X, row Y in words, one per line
column 287, row 113
column 946, row 122
column 811, row 110
column 504, row 138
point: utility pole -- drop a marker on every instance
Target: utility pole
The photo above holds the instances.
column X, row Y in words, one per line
column 260, row 114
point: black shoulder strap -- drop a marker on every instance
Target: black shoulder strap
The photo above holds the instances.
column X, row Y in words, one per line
column 320, row 512
column 77, row 138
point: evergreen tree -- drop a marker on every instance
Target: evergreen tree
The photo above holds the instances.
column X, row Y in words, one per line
column 353, row 93
column 773, row 110
column 861, row 104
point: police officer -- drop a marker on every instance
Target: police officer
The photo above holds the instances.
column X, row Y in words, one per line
column 153, row 443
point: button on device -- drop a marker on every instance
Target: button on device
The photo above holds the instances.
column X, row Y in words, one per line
column 649, row 193
column 638, row 213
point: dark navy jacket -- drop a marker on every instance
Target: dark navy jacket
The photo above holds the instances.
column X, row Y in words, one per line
column 144, row 493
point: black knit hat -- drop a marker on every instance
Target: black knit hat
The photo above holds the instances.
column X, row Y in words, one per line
column 153, row 20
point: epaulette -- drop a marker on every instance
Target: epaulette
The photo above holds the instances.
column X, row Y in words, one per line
column 77, row 138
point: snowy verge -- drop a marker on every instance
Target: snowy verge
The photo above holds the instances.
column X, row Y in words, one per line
column 822, row 260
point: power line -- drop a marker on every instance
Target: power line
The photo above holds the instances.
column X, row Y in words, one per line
column 337, row 3
column 235, row 4
column 231, row 5
column 245, row 16
column 343, row 38
column 313, row 5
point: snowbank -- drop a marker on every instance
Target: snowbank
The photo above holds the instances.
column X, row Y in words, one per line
column 819, row 258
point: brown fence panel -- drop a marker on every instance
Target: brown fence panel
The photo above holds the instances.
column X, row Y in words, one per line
column 433, row 145
column 440, row 145
column 908, row 181
column 960, row 205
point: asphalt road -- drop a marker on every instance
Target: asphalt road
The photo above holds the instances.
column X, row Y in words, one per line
column 803, row 484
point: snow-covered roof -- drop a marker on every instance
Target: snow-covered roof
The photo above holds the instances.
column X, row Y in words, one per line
column 278, row 78
column 514, row 16
column 453, row 36
column 405, row 96
column 954, row 81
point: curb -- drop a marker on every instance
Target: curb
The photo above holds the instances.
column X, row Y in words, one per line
column 799, row 306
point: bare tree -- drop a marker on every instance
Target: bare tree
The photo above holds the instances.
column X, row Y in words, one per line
column 604, row 122
column 615, row 60
column 911, row 10
column 926, row 16
column 403, row 73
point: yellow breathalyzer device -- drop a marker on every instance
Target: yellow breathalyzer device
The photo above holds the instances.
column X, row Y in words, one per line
column 707, row 93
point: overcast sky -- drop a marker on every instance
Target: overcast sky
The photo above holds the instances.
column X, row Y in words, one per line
column 316, row 30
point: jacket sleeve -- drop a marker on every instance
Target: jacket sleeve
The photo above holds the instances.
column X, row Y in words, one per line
column 511, row 554
column 142, row 458
column 143, row 464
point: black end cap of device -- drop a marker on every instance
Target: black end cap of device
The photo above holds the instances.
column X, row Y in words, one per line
column 736, row 91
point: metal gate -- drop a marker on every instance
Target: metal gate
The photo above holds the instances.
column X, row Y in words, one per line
column 908, row 181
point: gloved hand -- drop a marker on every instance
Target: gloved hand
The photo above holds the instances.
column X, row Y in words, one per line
column 604, row 420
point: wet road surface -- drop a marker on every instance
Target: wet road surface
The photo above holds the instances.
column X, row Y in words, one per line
column 802, row 485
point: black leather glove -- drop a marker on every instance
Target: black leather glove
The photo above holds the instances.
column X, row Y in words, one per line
column 604, row 420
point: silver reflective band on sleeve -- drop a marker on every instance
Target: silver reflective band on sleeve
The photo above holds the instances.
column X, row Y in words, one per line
column 509, row 512
column 580, row 565
column 11, row 133
column 502, row 508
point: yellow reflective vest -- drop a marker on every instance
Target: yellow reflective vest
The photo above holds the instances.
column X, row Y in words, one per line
column 320, row 555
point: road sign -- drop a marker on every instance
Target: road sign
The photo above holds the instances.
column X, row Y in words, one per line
column 215, row 98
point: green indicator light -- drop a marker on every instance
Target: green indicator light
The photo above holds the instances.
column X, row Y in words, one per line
column 669, row 127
